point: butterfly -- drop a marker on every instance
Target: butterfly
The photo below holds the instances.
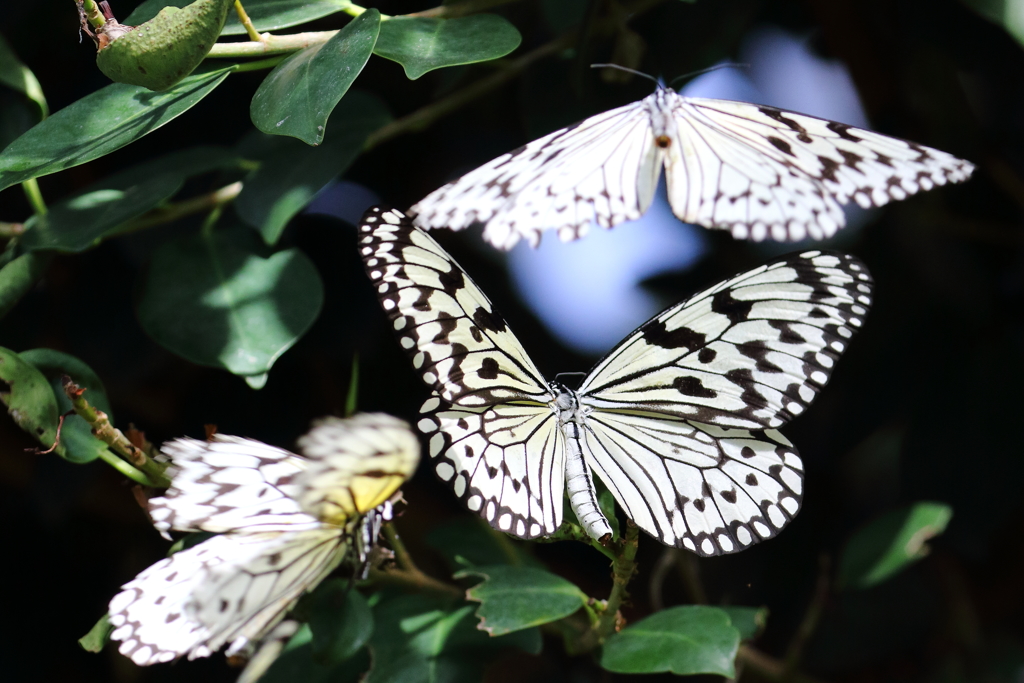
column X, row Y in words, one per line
column 754, row 170
column 285, row 522
column 679, row 420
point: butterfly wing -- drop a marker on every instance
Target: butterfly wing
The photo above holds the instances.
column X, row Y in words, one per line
column 493, row 438
column 766, row 173
column 228, row 483
column 228, row 589
column 751, row 352
column 603, row 169
column 704, row 488
column 355, row 465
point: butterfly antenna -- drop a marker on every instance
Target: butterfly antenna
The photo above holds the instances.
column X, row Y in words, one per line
column 716, row 67
column 627, row 70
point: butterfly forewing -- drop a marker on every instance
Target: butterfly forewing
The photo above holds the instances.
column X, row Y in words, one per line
column 757, row 171
column 227, row 483
column 459, row 344
column 751, row 352
column 604, row 169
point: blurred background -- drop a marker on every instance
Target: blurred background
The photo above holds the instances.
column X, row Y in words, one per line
column 927, row 404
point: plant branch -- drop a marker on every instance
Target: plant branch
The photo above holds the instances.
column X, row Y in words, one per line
column 623, row 570
column 810, row 620
column 767, row 666
column 92, row 13
column 243, row 17
column 113, row 437
column 9, row 230
column 35, row 196
column 408, row 574
column 127, row 470
column 188, row 207
column 270, row 45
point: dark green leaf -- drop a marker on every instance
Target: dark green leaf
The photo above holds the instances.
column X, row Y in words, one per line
column 98, row 636
column 890, row 543
column 301, row 92
column 16, row 75
column 266, row 15
column 687, row 640
column 292, row 174
column 514, row 598
column 749, row 621
column 77, row 444
column 469, row 540
column 28, row 397
column 19, row 276
column 421, row 638
column 298, row 665
column 423, row 44
column 341, row 622
column 1005, row 13
column 101, row 210
column 217, row 300
column 100, row 123
column 606, row 500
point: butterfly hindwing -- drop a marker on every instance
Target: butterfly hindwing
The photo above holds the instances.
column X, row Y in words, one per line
column 751, row 352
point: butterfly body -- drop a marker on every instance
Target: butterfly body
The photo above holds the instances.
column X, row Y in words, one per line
column 754, row 170
column 679, row 420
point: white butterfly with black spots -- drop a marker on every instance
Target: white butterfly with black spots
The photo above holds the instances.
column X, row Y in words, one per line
column 286, row 521
column 757, row 171
column 679, row 420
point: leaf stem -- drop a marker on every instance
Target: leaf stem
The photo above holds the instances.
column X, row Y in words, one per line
column 93, row 13
column 127, row 470
column 408, row 574
column 172, row 212
column 113, row 437
column 270, row 44
column 35, row 196
column 9, row 230
column 623, row 570
column 247, row 22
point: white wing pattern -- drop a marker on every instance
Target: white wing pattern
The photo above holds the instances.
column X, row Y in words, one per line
column 286, row 521
column 678, row 420
column 757, row 171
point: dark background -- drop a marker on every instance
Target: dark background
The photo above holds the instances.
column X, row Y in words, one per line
column 926, row 405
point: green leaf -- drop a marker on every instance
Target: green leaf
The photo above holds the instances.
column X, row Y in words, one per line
column 468, row 540
column 301, row 92
column 100, row 123
column 341, row 622
column 77, row 444
column 16, row 75
column 1006, row 13
column 419, row 638
column 291, row 173
column 98, row 636
column 298, row 665
column 266, row 15
column 98, row 212
column 28, row 397
column 687, row 640
column 606, row 501
column 514, row 598
column 887, row 545
column 749, row 621
column 18, row 277
column 217, row 299
column 423, row 44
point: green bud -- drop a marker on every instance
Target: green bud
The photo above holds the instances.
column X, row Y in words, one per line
column 165, row 49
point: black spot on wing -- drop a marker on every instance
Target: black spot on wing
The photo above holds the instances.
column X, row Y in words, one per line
column 657, row 334
column 489, row 320
column 781, row 145
column 488, row 369
column 692, row 386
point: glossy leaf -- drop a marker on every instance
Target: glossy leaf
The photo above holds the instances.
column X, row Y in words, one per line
column 28, row 397
column 887, row 545
column 513, row 598
column 98, row 212
column 297, row 664
column 218, row 299
column 749, row 621
column 424, row 44
column 299, row 95
column 77, row 444
column 341, row 622
column 18, row 277
column 422, row 638
column 100, row 123
column 266, row 15
column 1006, row 13
column 14, row 74
column 469, row 541
column 686, row 640
column 292, row 173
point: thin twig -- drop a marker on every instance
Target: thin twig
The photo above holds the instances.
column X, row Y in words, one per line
column 767, row 666
column 810, row 620
column 243, row 17
column 9, row 230
column 408, row 574
column 56, row 438
column 188, row 207
column 106, row 432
